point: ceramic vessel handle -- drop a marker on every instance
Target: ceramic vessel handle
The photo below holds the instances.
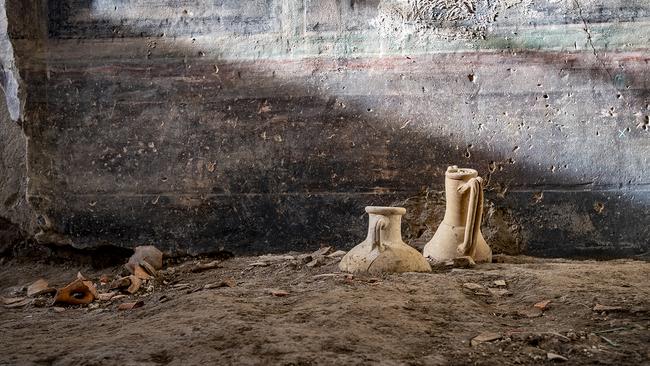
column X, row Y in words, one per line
column 474, row 215
column 381, row 223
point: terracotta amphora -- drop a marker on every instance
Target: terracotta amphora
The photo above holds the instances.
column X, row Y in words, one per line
column 383, row 250
column 459, row 234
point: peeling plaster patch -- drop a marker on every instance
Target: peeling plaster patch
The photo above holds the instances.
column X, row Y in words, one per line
column 9, row 77
column 443, row 18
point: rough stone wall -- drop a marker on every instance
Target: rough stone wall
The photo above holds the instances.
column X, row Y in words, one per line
column 16, row 219
column 268, row 125
column 14, row 211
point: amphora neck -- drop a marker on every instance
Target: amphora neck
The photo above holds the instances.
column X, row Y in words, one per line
column 385, row 221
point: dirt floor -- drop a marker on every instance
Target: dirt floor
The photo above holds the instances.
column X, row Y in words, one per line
column 281, row 311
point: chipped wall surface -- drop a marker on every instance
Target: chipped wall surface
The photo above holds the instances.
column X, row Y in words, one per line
column 15, row 214
column 268, row 125
column 9, row 76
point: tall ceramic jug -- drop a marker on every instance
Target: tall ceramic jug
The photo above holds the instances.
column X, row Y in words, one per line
column 459, row 234
column 383, row 250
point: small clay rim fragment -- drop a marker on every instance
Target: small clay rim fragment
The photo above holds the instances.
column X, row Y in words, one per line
column 379, row 210
column 454, row 172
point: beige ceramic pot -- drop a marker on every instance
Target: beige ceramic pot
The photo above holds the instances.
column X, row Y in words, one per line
column 459, row 234
column 383, row 250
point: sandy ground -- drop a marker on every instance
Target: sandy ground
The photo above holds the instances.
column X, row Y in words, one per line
column 283, row 312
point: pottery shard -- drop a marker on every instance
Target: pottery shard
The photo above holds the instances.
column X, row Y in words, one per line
column 11, row 300
column 555, row 357
column 120, row 283
column 472, row 286
column 606, row 308
column 16, row 302
column 337, row 254
column 542, row 305
column 75, row 293
column 500, row 283
column 304, row 258
column 205, row 266
column 140, row 272
column 106, row 296
column 130, row 284
column 259, row 264
column 321, row 252
column 39, row 287
column 148, row 268
column 485, row 337
column 135, row 284
column 91, row 287
column 316, row 262
column 145, row 253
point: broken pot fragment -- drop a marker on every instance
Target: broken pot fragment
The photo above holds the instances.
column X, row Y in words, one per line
column 76, row 293
column 484, row 337
column 145, row 254
column 106, row 296
column 135, row 285
column 120, row 283
column 16, row 302
column 205, row 266
column 140, row 272
column 130, row 284
column 39, row 287
column 542, row 305
column 279, row 293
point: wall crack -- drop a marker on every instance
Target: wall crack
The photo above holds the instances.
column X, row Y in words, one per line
column 590, row 40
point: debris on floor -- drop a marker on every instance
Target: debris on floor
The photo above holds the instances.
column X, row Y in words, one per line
column 39, row 287
column 543, row 305
column 607, row 308
column 130, row 305
column 205, row 266
column 485, row 337
column 524, row 311
column 279, row 293
column 555, row 357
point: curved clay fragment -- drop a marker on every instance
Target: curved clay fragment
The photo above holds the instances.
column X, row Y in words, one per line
column 145, row 254
column 131, row 284
column 39, row 287
column 76, row 293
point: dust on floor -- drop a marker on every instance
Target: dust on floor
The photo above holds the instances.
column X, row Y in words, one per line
column 281, row 311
